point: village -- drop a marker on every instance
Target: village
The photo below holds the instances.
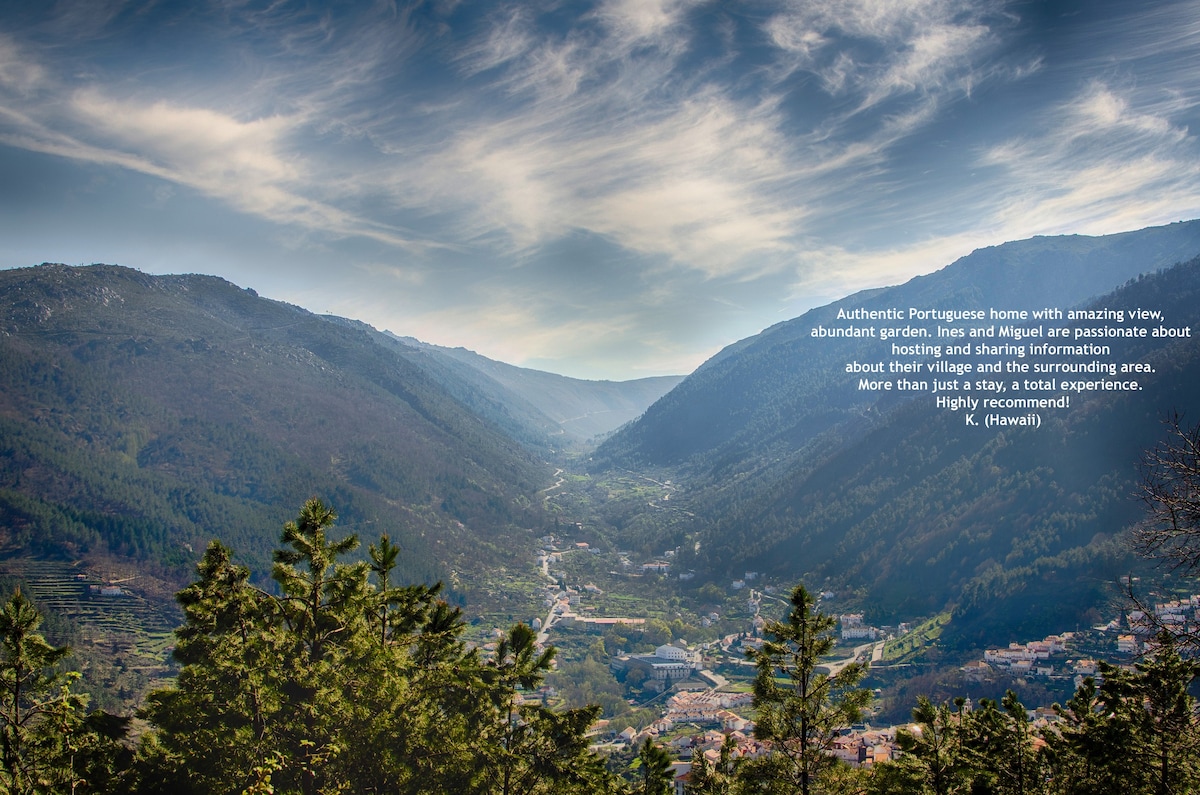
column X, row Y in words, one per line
column 704, row 710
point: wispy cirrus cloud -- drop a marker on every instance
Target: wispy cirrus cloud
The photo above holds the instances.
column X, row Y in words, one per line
column 593, row 127
column 873, row 50
column 255, row 164
column 464, row 159
column 17, row 73
column 699, row 183
column 1104, row 154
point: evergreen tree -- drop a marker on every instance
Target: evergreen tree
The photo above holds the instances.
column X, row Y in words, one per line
column 532, row 749
column 1092, row 749
column 47, row 745
column 324, row 633
column 336, row 684
column 1169, row 722
column 801, row 717
column 218, row 724
column 713, row 778
column 998, row 746
column 384, row 557
column 932, row 759
column 1137, row 733
column 1152, row 703
column 654, row 770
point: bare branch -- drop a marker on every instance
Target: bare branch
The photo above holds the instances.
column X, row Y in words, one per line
column 1170, row 488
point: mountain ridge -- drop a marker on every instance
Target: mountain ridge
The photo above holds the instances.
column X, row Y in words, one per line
column 144, row 414
column 580, row 408
column 717, row 413
column 883, row 496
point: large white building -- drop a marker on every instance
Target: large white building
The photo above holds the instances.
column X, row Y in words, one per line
column 667, row 664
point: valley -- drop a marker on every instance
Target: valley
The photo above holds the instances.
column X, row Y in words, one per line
column 145, row 416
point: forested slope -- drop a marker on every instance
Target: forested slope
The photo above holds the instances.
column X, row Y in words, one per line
column 1019, row 528
column 775, row 395
column 145, row 415
column 784, row 466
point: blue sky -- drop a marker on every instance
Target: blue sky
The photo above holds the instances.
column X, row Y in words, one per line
column 609, row 189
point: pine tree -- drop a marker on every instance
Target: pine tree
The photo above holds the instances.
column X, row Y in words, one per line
column 1092, row 749
column 932, row 759
column 336, row 684
column 801, row 717
column 218, row 724
column 532, row 749
column 999, row 748
column 713, row 778
column 1153, row 703
column 654, row 770
column 40, row 717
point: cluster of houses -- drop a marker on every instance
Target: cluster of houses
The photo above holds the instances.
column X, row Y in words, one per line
column 864, row 746
column 710, row 708
column 853, row 628
column 704, row 708
column 1177, row 615
column 714, row 715
column 1042, row 657
column 1038, row 658
column 1035, row 658
column 859, row 746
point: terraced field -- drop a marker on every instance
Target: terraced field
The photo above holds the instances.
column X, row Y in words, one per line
column 124, row 621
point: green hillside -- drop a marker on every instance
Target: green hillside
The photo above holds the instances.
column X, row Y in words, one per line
column 143, row 416
column 777, row 394
column 1019, row 530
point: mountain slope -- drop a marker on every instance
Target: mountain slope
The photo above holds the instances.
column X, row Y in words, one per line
column 784, row 467
column 143, row 415
column 1014, row 527
column 1018, row 528
column 778, row 393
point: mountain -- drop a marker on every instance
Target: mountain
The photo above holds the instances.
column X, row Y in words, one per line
column 776, row 394
column 783, row 466
column 144, row 415
column 574, row 408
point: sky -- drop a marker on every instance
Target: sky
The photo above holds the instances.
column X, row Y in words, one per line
column 608, row 190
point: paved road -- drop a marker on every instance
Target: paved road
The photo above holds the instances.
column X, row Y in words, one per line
column 875, row 649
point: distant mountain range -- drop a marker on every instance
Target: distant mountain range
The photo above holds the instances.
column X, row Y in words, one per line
column 144, row 415
column 786, row 467
column 578, row 409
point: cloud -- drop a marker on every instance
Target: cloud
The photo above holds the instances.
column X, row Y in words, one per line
column 1105, row 160
column 212, row 148
column 920, row 50
column 507, row 39
column 639, row 22
column 1099, row 160
column 549, row 130
column 253, row 164
column 445, row 155
column 17, row 73
column 248, row 164
column 699, row 182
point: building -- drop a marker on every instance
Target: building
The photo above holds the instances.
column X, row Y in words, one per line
column 668, row 664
